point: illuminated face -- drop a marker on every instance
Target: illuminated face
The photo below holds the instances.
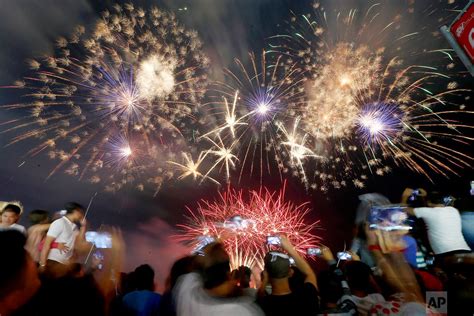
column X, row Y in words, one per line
column 9, row 218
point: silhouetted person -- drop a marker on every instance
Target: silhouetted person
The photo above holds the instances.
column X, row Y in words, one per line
column 143, row 301
column 18, row 274
column 181, row 267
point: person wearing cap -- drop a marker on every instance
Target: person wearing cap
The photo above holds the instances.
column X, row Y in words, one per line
column 282, row 300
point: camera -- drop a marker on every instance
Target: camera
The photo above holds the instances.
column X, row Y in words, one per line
column 99, row 258
column 273, row 240
column 414, row 195
column 388, row 218
column 313, row 251
column 448, row 200
column 344, row 255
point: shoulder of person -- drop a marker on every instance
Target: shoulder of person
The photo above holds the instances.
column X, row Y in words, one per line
column 59, row 221
column 188, row 282
column 57, row 224
column 19, row 227
column 423, row 211
column 451, row 208
column 309, row 287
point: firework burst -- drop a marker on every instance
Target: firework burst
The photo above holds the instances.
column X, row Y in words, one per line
column 243, row 220
column 137, row 76
column 260, row 93
column 367, row 106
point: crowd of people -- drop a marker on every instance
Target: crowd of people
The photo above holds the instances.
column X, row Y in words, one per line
column 51, row 269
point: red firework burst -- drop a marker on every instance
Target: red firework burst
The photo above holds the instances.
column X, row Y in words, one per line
column 243, row 220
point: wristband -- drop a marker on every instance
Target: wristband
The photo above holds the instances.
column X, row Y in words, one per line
column 374, row 247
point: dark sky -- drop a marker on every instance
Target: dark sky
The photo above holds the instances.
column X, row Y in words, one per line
column 229, row 29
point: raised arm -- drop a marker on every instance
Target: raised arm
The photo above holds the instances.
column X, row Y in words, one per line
column 405, row 195
column 300, row 262
column 385, row 248
column 328, row 256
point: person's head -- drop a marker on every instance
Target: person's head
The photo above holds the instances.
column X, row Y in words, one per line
column 329, row 288
column 243, row 275
column 417, row 200
column 216, row 269
column 18, row 274
column 180, row 267
column 359, row 276
column 74, row 211
column 296, row 279
column 38, row 217
column 127, row 282
column 144, row 277
column 435, row 199
column 277, row 265
column 10, row 214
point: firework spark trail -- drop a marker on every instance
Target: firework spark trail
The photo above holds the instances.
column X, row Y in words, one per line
column 139, row 75
column 365, row 108
column 269, row 213
column 191, row 167
column 223, row 154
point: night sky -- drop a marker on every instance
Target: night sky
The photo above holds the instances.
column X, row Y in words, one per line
column 229, row 29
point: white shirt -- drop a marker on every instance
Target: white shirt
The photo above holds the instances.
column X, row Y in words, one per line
column 63, row 231
column 364, row 304
column 192, row 300
column 15, row 226
column 444, row 228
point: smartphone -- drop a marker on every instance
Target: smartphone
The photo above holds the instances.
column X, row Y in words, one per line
column 101, row 240
column 448, row 200
column 99, row 257
column 430, row 260
column 414, row 195
column 313, row 251
column 344, row 255
column 273, row 240
column 388, row 218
